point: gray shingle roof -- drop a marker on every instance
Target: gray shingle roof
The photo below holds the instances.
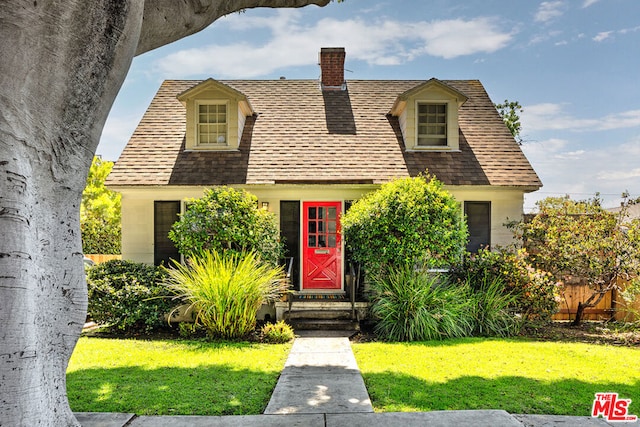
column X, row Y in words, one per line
column 302, row 135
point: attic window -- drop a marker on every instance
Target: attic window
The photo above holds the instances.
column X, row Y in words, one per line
column 432, row 125
column 212, row 123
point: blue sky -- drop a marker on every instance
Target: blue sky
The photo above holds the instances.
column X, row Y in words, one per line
column 572, row 64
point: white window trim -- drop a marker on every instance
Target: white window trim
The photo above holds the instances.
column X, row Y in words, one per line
column 200, row 102
column 452, row 126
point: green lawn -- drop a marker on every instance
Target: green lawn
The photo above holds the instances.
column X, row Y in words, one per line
column 518, row 376
column 200, row 378
column 173, row 377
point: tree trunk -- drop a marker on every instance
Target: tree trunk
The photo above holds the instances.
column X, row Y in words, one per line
column 62, row 64
column 593, row 300
column 579, row 313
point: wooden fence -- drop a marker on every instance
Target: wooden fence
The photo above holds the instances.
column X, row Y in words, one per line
column 611, row 306
column 99, row 258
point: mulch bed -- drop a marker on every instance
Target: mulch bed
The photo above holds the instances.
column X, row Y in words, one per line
column 605, row 333
column 616, row 334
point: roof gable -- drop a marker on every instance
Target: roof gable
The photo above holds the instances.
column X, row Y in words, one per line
column 425, row 87
column 211, row 86
column 297, row 135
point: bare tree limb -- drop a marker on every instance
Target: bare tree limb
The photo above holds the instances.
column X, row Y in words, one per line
column 166, row 21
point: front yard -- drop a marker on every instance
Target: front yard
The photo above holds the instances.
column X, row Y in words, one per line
column 523, row 375
column 517, row 375
column 173, row 377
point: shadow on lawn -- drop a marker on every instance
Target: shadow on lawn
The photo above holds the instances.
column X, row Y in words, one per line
column 391, row 392
column 203, row 390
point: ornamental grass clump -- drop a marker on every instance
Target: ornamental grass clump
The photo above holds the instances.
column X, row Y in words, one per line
column 414, row 305
column 493, row 309
column 226, row 290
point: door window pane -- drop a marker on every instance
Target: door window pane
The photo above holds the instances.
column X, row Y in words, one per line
column 321, row 227
column 331, row 213
column 331, row 226
column 312, row 226
column 322, row 242
column 312, row 213
column 312, row 241
column 332, row 240
column 321, row 213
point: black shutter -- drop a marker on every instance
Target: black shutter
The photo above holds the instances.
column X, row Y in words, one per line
column 165, row 214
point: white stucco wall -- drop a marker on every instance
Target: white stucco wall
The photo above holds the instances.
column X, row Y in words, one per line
column 137, row 207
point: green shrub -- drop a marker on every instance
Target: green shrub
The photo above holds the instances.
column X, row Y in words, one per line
column 100, row 236
column 535, row 293
column 407, row 221
column 416, row 305
column 188, row 330
column 127, row 296
column 100, row 212
column 226, row 219
column 277, row 333
column 226, row 290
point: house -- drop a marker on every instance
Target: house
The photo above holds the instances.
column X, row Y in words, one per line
column 307, row 149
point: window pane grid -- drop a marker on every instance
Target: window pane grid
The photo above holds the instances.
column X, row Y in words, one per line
column 212, row 124
column 322, row 227
column 432, row 124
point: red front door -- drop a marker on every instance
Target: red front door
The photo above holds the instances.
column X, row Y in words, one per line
column 321, row 246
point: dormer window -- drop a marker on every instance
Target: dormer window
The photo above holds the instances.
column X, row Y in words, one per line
column 212, row 123
column 432, row 125
column 428, row 116
column 215, row 116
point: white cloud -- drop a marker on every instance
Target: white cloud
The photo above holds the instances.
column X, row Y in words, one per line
column 543, row 37
column 588, row 3
column 603, row 35
column 293, row 44
column 570, row 166
column 629, row 30
column 549, row 116
column 549, row 10
column 618, row 175
column 452, row 38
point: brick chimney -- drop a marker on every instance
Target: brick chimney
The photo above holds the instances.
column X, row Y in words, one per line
column 332, row 67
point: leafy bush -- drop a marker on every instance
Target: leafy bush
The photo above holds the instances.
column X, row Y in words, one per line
column 226, row 219
column 100, row 236
column 407, row 221
column 580, row 239
column 127, row 296
column 188, row 330
column 277, row 333
column 100, row 212
column 535, row 294
column 415, row 305
column 226, row 290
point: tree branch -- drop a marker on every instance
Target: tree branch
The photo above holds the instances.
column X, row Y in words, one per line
column 166, row 21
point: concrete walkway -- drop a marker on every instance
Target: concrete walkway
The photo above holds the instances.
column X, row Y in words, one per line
column 321, row 386
column 321, row 376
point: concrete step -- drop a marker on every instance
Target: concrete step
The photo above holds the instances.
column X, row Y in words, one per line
column 313, row 324
column 318, row 314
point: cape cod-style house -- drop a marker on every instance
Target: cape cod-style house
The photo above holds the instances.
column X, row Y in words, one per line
column 307, row 149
